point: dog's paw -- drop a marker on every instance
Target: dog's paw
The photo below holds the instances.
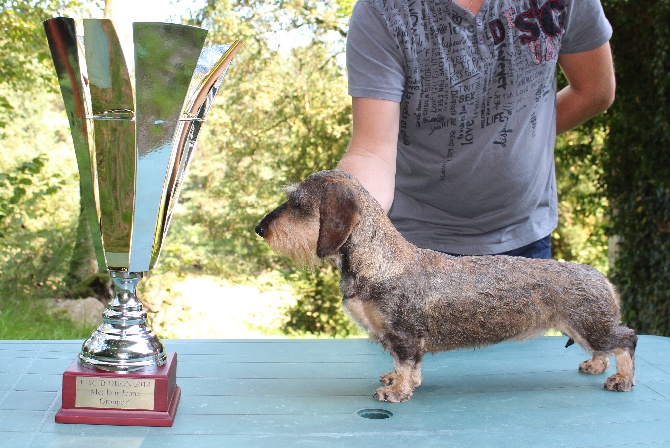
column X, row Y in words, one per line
column 594, row 366
column 619, row 383
column 388, row 378
column 392, row 394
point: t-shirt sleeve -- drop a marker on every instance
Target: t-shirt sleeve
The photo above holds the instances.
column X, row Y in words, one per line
column 587, row 27
column 374, row 62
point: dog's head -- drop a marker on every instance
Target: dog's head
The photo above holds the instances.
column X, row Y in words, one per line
column 316, row 220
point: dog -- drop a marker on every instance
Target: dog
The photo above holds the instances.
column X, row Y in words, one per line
column 415, row 301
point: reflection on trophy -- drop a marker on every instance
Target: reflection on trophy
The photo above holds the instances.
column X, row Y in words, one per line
column 133, row 146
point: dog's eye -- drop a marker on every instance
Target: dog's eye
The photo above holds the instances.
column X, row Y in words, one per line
column 299, row 204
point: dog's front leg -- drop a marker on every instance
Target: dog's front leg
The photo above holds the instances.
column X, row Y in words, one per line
column 406, row 376
column 401, row 382
column 390, row 377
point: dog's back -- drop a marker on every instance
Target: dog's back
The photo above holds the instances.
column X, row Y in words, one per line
column 478, row 301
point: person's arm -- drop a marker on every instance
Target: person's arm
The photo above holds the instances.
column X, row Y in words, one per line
column 371, row 155
column 592, row 83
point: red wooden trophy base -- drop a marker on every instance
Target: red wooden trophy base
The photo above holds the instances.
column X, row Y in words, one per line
column 111, row 398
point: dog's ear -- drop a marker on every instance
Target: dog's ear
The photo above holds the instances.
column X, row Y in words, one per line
column 339, row 213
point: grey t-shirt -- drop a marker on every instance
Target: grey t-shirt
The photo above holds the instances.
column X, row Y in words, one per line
column 477, row 94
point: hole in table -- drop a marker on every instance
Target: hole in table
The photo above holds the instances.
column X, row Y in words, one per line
column 375, row 414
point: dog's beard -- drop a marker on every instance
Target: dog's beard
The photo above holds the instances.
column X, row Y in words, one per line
column 297, row 242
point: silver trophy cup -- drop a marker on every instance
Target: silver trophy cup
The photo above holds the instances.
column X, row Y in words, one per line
column 133, row 143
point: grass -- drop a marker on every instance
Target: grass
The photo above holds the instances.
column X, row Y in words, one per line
column 29, row 319
column 23, row 288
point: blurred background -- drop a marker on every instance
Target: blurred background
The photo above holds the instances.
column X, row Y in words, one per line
column 283, row 112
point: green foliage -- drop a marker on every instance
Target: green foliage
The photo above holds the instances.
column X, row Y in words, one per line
column 318, row 311
column 25, row 62
column 637, row 161
column 285, row 114
column 581, row 232
column 21, row 189
column 271, row 19
column 281, row 119
column 38, row 200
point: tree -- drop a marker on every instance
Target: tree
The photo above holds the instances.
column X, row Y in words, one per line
column 282, row 114
column 25, row 63
column 637, row 161
column 279, row 116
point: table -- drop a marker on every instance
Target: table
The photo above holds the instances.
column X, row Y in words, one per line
column 318, row 393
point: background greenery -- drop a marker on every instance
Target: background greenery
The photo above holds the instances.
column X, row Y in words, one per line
column 283, row 113
column 636, row 163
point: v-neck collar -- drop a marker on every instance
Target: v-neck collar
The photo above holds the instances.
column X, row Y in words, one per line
column 466, row 12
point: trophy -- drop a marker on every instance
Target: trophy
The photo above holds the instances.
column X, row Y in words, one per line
column 133, row 145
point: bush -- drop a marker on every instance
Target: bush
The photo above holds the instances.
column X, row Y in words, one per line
column 318, row 312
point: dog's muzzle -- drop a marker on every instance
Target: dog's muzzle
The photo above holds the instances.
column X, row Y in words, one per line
column 262, row 226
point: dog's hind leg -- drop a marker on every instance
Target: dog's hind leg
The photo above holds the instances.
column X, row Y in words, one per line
column 600, row 360
column 624, row 378
column 596, row 365
column 622, row 344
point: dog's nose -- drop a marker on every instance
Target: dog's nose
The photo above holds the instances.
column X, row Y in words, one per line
column 261, row 228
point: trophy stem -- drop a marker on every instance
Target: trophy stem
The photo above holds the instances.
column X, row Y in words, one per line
column 123, row 342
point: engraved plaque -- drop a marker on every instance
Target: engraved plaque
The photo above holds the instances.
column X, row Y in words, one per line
column 115, row 393
column 147, row 397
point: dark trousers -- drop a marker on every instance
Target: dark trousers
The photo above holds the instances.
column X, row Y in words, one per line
column 538, row 249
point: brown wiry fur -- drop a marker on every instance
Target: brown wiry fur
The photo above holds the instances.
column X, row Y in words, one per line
column 416, row 300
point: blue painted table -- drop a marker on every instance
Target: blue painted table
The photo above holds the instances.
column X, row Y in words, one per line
column 308, row 393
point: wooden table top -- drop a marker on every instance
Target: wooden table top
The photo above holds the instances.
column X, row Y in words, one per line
column 318, row 393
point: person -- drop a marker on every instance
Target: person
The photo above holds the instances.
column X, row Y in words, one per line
column 456, row 111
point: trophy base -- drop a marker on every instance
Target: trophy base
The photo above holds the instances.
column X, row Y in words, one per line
column 139, row 398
